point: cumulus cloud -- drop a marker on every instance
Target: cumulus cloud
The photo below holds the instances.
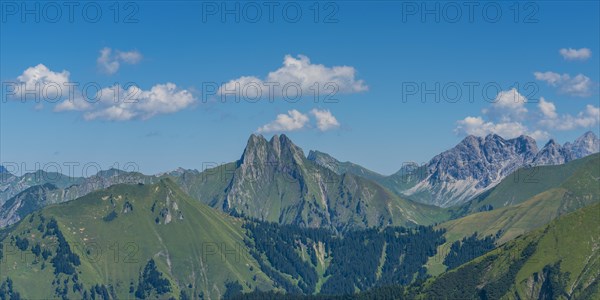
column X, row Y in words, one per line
column 513, row 123
column 39, row 83
column 478, row 127
column 109, row 62
column 504, row 117
column 117, row 103
column 297, row 76
column 588, row 118
column 547, row 108
column 508, row 105
column 325, row 120
column 575, row 54
column 580, row 85
column 293, row 120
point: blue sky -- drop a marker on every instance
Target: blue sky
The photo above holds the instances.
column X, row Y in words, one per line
column 373, row 52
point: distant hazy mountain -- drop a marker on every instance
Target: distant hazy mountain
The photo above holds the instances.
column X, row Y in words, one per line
column 25, row 203
column 36, row 190
column 11, row 184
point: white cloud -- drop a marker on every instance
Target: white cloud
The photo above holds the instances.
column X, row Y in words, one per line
column 478, row 127
column 109, row 62
column 325, row 120
column 587, row 118
column 296, row 73
column 131, row 57
column 575, row 54
column 505, row 117
column 513, row 125
column 580, row 85
column 293, row 120
column 76, row 103
column 120, row 104
column 539, row 135
column 508, row 105
column 553, row 79
column 40, row 83
column 547, row 108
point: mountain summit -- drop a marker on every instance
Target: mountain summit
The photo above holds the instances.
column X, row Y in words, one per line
column 553, row 153
column 457, row 174
column 471, row 167
column 479, row 163
column 274, row 181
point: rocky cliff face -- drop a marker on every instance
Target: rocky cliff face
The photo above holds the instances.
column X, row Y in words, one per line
column 11, row 184
column 274, row 181
column 26, row 202
column 477, row 164
column 473, row 165
column 585, row 145
column 554, row 154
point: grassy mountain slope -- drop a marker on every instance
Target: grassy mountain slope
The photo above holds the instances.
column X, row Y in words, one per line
column 272, row 181
column 408, row 176
column 528, row 182
column 48, row 188
column 326, row 160
column 578, row 187
column 560, row 261
column 115, row 232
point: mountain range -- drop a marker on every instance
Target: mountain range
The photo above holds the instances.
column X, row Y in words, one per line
column 278, row 221
column 318, row 190
column 473, row 166
column 274, row 181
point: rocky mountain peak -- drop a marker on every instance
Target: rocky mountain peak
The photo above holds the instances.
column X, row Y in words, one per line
column 526, row 144
column 551, row 143
column 321, row 157
column 471, row 166
column 587, row 136
column 325, row 160
column 552, row 154
column 494, row 137
column 470, row 140
column 585, row 145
